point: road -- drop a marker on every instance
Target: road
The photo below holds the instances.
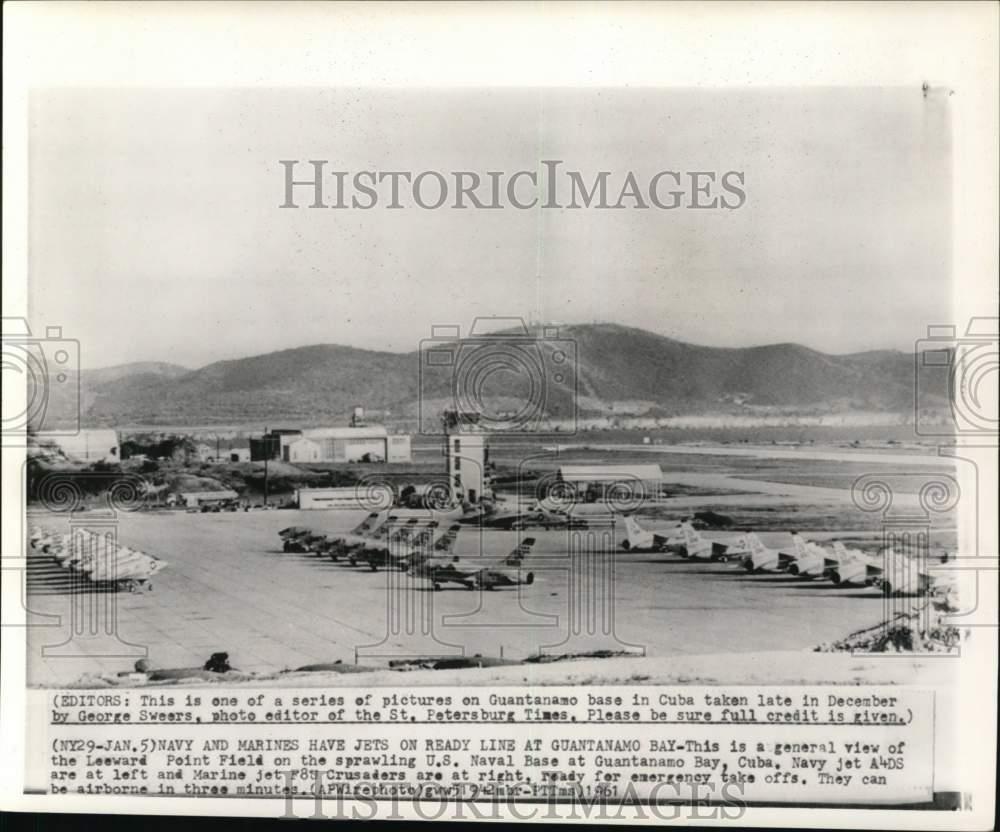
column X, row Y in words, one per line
column 229, row 587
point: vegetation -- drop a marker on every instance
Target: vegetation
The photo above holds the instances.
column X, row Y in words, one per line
column 612, row 369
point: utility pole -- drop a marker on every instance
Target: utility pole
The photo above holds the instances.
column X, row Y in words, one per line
column 267, row 456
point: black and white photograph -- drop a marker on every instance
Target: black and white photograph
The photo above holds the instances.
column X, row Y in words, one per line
column 620, row 445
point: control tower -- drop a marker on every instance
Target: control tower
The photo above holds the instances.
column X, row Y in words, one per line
column 467, row 454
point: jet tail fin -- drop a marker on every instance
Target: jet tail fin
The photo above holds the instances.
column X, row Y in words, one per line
column 402, row 535
column 801, row 547
column 382, row 530
column 447, row 541
column 421, row 539
column 519, row 552
column 691, row 536
column 367, row 525
column 632, row 526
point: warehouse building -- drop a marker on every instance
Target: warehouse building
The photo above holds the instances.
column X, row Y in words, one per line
column 351, row 498
column 364, row 443
column 300, row 449
column 202, row 499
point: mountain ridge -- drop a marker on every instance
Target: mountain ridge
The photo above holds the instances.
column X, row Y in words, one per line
column 605, row 367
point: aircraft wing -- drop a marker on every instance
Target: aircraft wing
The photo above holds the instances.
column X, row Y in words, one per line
column 499, row 521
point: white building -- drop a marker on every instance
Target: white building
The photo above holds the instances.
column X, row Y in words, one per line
column 357, row 499
column 367, row 443
column 467, row 455
column 205, row 452
column 399, row 449
column 300, row 449
column 196, row 499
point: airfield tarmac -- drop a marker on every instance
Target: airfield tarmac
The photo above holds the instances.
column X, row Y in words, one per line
column 228, row 587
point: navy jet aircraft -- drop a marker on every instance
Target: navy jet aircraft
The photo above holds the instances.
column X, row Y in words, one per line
column 407, row 553
column 638, row 539
column 347, row 545
column 851, row 566
column 809, row 560
column 473, row 573
column 378, row 545
column 897, row 574
column 758, row 557
column 693, row 545
column 533, row 517
column 337, row 546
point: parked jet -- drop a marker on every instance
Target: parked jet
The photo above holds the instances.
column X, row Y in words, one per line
column 349, row 544
column 337, row 545
column 897, row 574
column 758, row 557
column 533, row 517
column 367, row 527
column 302, row 539
column 850, row 566
column 638, row 539
column 383, row 540
column 473, row 573
column 694, row 545
column 808, row 559
column 291, row 533
column 407, row 553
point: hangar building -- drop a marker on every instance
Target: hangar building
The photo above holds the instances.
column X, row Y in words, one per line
column 363, row 499
column 371, row 443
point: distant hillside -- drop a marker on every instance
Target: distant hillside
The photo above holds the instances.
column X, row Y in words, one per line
column 160, row 369
column 616, row 370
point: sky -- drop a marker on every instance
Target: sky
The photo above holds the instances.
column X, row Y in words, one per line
column 156, row 232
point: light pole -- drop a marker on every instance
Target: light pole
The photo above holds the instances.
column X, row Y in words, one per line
column 267, row 456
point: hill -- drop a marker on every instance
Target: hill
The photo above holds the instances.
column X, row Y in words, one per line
column 158, row 369
column 601, row 368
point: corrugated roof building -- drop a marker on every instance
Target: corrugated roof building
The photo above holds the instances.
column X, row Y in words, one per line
column 362, row 443
column 194, row 499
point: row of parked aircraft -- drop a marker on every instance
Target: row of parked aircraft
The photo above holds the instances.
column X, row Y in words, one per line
column 890, row 571
column 424, row 549
column 417, row 546
column 90, row 555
